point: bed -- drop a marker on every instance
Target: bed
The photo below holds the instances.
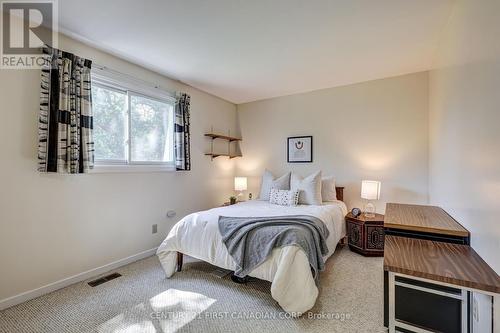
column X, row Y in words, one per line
column 293, row 286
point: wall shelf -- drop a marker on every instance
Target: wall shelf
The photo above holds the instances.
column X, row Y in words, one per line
column 213, row 136
column 214, row 155
column 223, row 137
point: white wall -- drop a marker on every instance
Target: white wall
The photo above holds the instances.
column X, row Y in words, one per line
column 374, row 130
column 464, row 141
column 465, row 124
column 55, row 226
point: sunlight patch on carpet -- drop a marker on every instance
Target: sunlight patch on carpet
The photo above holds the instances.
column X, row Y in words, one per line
column 176, row 308
column 167, row 312
column 130, row 321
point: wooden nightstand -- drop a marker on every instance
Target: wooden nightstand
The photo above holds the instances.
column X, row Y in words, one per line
column 366, row 235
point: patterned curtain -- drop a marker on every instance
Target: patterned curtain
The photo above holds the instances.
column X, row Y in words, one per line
column 182, row 133
column 65, row 142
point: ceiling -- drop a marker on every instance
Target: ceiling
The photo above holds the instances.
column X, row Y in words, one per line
column 244, row 50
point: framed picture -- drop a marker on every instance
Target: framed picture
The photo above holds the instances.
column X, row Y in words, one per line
column 300, row 149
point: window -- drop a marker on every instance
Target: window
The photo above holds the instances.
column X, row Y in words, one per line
column 133, row 124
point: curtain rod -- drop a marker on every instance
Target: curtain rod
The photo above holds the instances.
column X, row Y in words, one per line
column 131, row 77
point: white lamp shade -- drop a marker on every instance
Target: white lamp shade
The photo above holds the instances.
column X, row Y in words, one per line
column 370, row 189
column 240, row 183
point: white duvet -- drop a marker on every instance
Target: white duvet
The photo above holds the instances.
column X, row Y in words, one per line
column 197, row 235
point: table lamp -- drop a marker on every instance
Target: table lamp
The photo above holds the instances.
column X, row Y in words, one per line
column 240, row 184
column 370, row 190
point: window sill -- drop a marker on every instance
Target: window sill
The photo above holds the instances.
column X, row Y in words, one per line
column 132, row 168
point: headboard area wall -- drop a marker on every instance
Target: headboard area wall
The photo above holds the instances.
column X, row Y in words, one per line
column 375, row 130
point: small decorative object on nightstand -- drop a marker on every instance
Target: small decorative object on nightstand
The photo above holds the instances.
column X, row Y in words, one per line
column 356, row 212
column 366, row 234
column 232, row 201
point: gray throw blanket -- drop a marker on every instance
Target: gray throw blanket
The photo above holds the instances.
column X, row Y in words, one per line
column 250, row 240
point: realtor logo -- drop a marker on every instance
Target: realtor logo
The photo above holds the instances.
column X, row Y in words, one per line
column 26, row 27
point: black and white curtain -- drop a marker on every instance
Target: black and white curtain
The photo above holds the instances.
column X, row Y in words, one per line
column 182, row 133
column 65, row 120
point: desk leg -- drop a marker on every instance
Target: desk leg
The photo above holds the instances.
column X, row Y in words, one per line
column 392, row 303
column 386, row 299
column 465, row 311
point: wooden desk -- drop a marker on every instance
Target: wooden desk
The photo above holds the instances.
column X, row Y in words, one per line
column 421, row 222
column 429, row 281
column 430, row 270
column 425, row 222
column 447, row 263
column 423, row 218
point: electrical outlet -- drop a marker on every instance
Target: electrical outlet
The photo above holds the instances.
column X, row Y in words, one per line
column 155, row 228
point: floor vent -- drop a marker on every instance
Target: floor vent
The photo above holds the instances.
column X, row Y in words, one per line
column 103, row 279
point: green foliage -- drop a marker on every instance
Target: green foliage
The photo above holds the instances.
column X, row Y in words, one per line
column 151, row 127
column 110, row 122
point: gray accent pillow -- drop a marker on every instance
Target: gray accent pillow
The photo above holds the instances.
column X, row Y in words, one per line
column 309, row 187
column 269, row 182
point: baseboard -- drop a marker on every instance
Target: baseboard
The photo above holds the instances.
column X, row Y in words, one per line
column 26, row 296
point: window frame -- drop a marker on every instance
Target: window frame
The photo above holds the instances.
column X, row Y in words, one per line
column 133, row 87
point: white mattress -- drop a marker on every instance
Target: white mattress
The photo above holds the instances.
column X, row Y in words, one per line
column 288, row 269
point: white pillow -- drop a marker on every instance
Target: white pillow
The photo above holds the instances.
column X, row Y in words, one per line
column 310, row 188
column 269, row 182
column 328, row 192
column 284, row 198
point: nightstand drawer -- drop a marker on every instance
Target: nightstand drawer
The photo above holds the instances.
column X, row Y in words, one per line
column 355, row 234
column 374, row 238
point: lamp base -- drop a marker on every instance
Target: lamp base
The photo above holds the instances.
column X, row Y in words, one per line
column 369, row 210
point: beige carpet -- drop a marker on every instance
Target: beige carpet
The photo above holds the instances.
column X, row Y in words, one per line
column 143, row 300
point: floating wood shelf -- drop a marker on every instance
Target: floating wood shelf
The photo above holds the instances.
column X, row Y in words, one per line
column 223, row 137
column 230, row 139
column 214, row 155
